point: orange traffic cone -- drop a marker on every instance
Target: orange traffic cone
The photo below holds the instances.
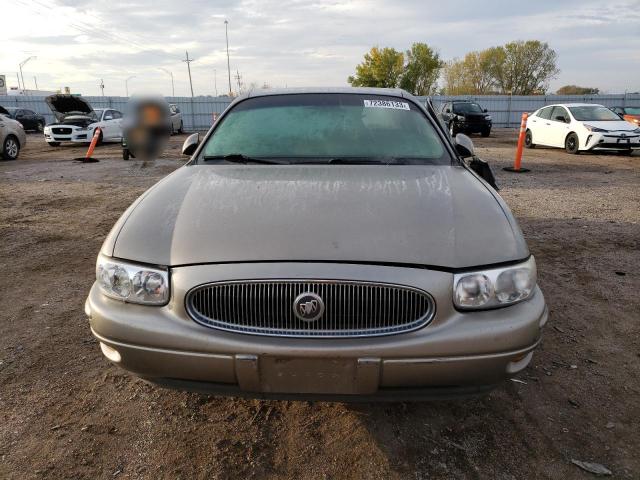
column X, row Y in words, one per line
column 94, row 141
column 517, row 168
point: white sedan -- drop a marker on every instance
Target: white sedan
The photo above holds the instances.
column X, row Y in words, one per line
column 580, row 127
column 77, row 121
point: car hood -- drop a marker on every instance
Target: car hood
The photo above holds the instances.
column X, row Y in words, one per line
column 428, row 215
column 613, row 125
column 65, row 105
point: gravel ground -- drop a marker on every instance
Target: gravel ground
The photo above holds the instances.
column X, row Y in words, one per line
column 65, row 412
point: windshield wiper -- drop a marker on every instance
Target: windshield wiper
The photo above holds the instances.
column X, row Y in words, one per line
column 241, row 158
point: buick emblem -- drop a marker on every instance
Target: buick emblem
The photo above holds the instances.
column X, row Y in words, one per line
column 308, row 307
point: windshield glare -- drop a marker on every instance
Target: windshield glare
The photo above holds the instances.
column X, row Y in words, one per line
column 305, row 127
column 467, row 108
column 593, row 113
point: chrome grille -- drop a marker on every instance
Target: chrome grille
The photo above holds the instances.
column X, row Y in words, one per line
column 351, row 308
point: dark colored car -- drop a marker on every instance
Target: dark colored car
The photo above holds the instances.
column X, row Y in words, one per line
column 29, row 119
column 464, row 116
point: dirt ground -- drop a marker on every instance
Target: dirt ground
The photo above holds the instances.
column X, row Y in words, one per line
column 65, row 412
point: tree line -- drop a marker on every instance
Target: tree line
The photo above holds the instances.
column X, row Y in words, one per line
column 516, row 68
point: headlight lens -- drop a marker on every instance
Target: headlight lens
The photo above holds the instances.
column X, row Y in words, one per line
column 591, row 128
column 487, row 117
column 132, row 283
column 496, row 287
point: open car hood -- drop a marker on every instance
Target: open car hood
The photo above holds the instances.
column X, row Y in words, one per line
column 63, row 105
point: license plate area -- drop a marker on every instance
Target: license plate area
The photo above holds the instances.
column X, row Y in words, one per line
column 308, row 375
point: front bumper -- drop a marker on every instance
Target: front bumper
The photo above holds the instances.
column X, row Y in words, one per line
column 456, row 354
column 76, row 136
column 614, row 142
column 473, row 127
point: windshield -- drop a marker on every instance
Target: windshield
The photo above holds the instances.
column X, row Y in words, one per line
column 632, row 111
column 593, row 113
column 98, row 113
column 301, row 128
column 467, row 108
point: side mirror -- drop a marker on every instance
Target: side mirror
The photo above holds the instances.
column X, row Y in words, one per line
column 190, row 144
column 448, row 110
column 464, row 146
column 485, row 110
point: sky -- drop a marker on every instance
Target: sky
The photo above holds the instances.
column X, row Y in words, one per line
column 296, row 43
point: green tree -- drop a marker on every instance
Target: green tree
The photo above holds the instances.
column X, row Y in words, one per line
column 526, row 67
column 422, row 70
column 475, row 74
column 380, row 68
column 576, row 90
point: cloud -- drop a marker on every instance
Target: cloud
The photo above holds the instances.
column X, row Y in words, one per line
column 301, row 43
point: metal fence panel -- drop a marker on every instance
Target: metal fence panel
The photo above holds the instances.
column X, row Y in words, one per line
column 197, row 112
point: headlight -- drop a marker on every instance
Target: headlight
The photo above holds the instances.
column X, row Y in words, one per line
column 460, row 118
column 493, row 288
column 132, row 283
column 487, row 117
column 591, row 128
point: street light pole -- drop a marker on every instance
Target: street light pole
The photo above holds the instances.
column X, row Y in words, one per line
column 173, row 90
column 126, row 84
column 215, row 80
column 226, row 32
column 22, row 64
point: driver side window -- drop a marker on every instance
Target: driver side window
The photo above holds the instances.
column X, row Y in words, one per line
column 108, row 115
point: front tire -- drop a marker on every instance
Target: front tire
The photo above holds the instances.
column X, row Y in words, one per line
column 528, row 140
column 181, row 129
column 125, row 154
column 10, row 148
column 572, row 144
column 485, row 132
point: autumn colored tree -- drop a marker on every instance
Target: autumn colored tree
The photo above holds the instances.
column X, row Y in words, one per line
column 382, row 67
column 422, row 69
column 526, row 67
column 576, row 90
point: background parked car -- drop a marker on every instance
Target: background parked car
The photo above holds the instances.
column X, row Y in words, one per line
column 29, row 119
column 176, row 119
column 12, row 136
column 77, row 121
column 630, row 114
column 464, row 116
column 578, row 127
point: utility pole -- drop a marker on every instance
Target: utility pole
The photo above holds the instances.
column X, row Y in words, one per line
column 35, row 80
column 226, row 32
column 102, row 86
column 188, row 61
column 18, row 77
column 215, row 80
column 22, row 64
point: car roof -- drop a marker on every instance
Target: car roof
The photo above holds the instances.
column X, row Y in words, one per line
column 573, row 105
column 389, row 92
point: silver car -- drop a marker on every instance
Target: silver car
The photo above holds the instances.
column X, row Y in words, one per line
column 12, row 136
column 327, row 244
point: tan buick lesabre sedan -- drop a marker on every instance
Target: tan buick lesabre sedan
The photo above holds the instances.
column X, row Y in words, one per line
column 327, row 243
